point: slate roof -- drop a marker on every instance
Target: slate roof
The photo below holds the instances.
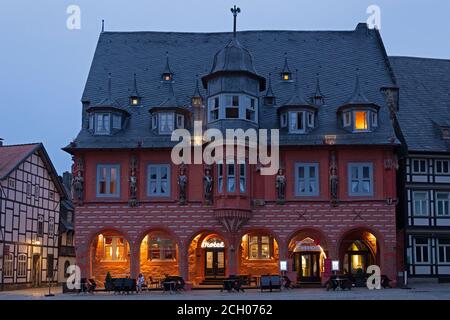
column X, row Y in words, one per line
column 424, row 102
column 11, row 156
column 333, row 55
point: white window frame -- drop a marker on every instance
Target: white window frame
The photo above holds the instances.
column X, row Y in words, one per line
column 360, row 178
column 8, row 265
column 307, row 180
column 242, row 176
column 422, row 248
column 419, row 171
column 443, row 204
column 114, row 245
column 283, row 120
column 102, row 123
column 293, row 122
column 22, row 265
column 423, row 204
column 220, row 168
column 108, row 168
column 374, row 119
column 166, row 122
column 219, row 104
column 366, row 120
column 231, row 177
column 259, row 244
column 116, row 121
column 442, row 161
column 180, row 121
column 347, row 119
column 310, row 118
column 446, row 252
column 158, row 180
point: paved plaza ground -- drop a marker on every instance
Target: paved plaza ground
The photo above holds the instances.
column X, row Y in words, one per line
column 416, row 292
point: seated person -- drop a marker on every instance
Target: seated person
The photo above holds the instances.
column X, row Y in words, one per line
column 90, row 285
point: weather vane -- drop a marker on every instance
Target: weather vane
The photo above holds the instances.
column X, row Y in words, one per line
column 235, row 10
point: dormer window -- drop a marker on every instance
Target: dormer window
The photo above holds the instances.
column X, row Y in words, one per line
column 286, row 76
column 167, row 77
column 166, row 122
column 360, row 120
column 299, row 121
column 105, row 123
column 196, row 101
column 135, row 101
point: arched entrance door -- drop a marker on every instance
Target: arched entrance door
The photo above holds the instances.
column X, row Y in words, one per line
column 307, row 260
column 358, row 257
column 214, row 252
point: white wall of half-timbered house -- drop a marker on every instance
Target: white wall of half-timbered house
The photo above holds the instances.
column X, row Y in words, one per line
column 28, row 196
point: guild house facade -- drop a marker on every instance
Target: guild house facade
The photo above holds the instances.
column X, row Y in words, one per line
column 331, row 95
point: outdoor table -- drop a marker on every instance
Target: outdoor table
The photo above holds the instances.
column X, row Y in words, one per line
column 340, row 282
column 228, row 284
column 172, row 286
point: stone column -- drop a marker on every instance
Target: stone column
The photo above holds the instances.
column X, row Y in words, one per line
column 183, row 261
column 135, row 259
column 83, row 259
column 232, row 258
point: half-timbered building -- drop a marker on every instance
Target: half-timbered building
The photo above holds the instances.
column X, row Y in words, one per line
column 424, row 118
column 333, row 200
column 30, row 195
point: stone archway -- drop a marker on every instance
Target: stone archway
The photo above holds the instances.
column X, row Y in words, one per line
column 258, row 253
column 207, row 258
column 159, row 255
column 307, row 250
column 110, row 252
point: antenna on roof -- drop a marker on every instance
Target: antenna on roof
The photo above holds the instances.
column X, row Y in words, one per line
column 103, row 25
column 235, row 12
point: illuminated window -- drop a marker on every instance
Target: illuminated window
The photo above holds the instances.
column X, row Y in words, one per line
column 108, row 180
column 286, row 76
column 259, row 247
column 161, row 248
column 196, row 101
column 361, row 120
column 167, row 77
column 114, row 248
column 135, row 101
column 8, row 265
column 22, row 265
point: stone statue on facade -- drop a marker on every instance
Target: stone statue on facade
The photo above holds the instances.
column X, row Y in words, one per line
column 133, row 182
column 280, row 185
column 78, row 187
column 208, row 185
column 334, row 179
column 182, row 184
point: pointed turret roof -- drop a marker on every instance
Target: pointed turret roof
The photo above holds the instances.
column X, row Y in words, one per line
column 170, row 101
column 108, row 101
column 286, row 65
column 167, row 66
column 358, row 96
column 269, row 92
column 318, row 92
column 135, row 92
column 298, row 98
column 197, row 89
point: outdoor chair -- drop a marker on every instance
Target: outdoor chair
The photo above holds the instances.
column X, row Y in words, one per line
column 265, row 283
column 287, row 282
column 275, row 282
column 153, row 282
column 385, row 282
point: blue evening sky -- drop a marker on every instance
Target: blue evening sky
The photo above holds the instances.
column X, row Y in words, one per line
column 44, row 65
